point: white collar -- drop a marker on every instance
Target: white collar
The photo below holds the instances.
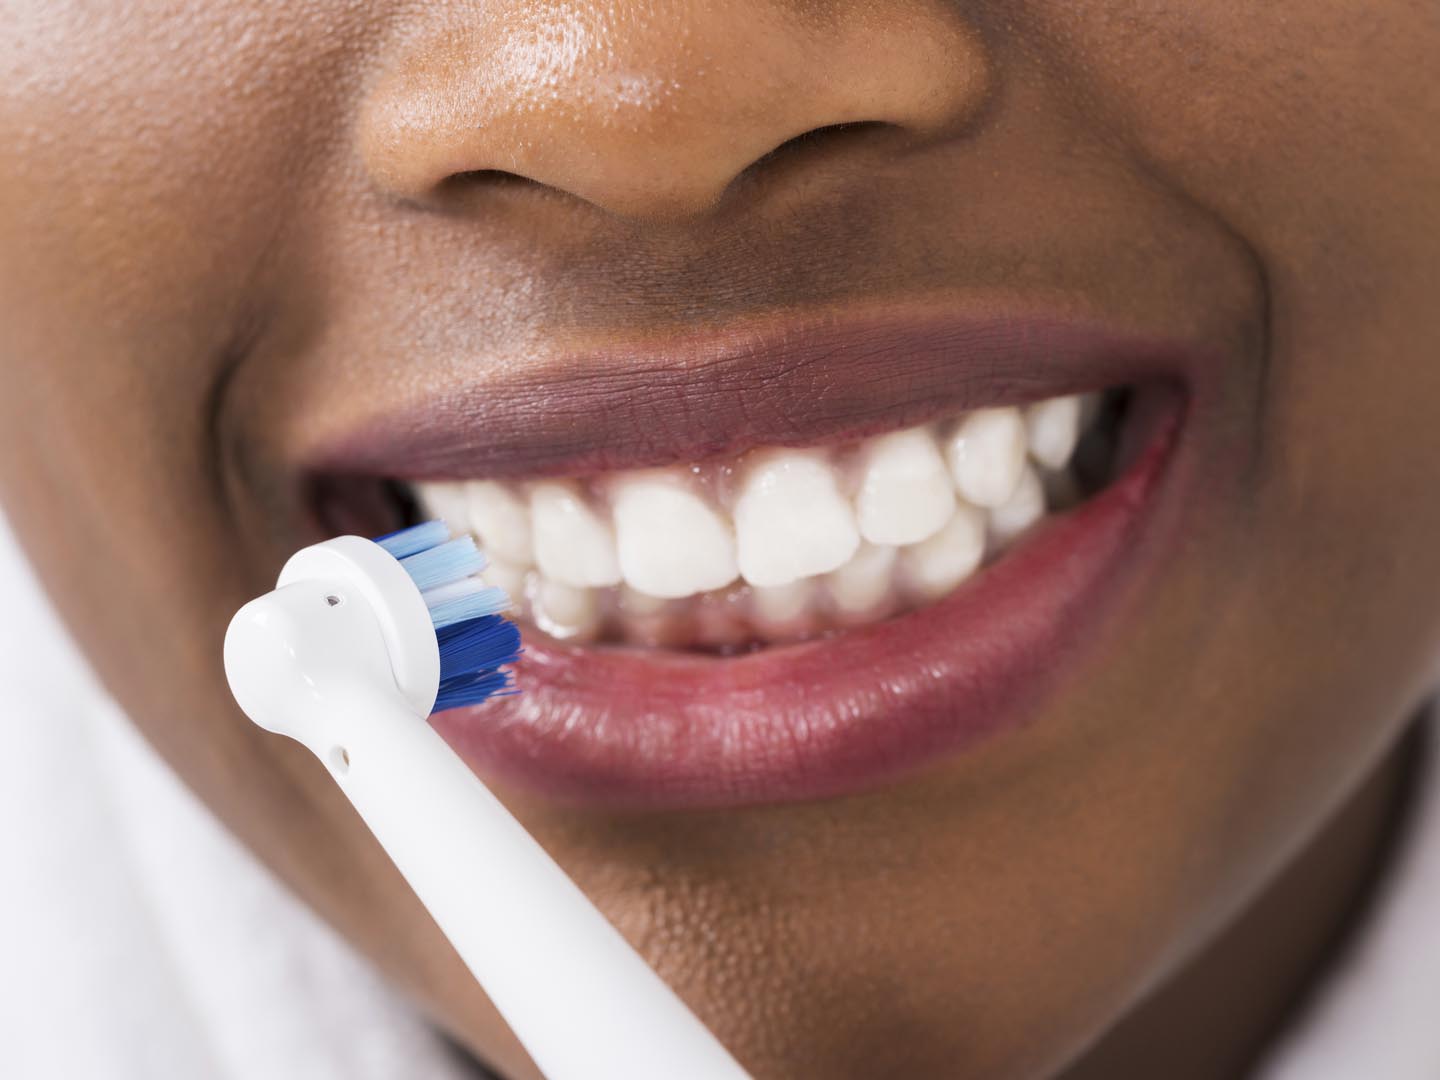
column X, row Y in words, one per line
column 1377, row 1015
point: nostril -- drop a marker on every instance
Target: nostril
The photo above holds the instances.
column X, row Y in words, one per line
column 469, row 188
column 476, row 178
column 823, row 138
column 816, row 144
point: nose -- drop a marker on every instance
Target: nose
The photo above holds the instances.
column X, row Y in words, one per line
column 651, row 109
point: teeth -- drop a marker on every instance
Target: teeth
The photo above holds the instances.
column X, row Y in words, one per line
column 1053, row 429
column 785, row 544
column 501, row 522
column 933, row 567
column 779, row 612
column 648, row 620
column 791, row 520
column 781, row 603
column 671, row 542
column 906, row 493
column 639, row 604
column 863, row 585
column 572, row 544
column 564, row 611
column 987, row 455
column 506, row 576
column 1024, row 507
column 448, row 502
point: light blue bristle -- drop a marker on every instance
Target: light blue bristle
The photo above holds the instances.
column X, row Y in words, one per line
column 415, row 539
column 453, row 560
column 461, row 600
column 475, row 642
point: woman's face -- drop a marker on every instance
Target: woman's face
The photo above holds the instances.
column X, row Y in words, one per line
column 256, row 255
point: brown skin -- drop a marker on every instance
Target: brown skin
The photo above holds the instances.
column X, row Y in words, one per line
column 209, row 212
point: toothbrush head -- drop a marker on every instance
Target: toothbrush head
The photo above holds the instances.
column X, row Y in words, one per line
column 476, row 642
column 403, row 616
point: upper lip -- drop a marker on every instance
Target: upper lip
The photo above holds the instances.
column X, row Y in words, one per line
column 783, row 381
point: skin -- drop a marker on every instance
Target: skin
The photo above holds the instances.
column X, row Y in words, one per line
column 209, row 213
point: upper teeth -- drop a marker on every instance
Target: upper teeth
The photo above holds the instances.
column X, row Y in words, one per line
column 909, row 512
column 672, row 541
column 987, row 455
column 1024, row 507
column 791, row 520
column 573, row 543
column 1054, row 428
column 906, row 493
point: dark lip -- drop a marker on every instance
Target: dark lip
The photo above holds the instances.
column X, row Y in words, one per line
column 666, row 731
column 780, row 382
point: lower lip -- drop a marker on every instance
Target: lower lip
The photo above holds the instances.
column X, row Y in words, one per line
column 630, row 728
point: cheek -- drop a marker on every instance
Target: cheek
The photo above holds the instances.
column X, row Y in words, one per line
column 149, row 154
column 146, row 155
column 120, row 150
column 1307, row 128
column 139, row 165
column 1314, row 628
column 128, row 136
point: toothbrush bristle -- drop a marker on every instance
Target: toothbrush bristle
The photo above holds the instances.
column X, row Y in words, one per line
column 461, row 601
column 415, row 539
column 451, row 561
column 476, row 643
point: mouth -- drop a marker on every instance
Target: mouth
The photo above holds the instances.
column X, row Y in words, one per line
column 793, row 565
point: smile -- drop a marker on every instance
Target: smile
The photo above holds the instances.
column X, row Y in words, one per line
column 779, row 544
column 767, row 601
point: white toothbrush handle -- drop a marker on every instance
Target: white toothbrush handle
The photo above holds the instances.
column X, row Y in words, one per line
column 580, row 999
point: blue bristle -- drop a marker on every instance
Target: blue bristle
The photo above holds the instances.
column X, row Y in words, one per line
column 475, row 645
column 475, row 642
column 415, row 539
column 453, row 560
column 478, row 688
column 471, row 657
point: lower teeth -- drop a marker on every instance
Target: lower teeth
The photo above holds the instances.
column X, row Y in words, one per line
column 780, row 545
